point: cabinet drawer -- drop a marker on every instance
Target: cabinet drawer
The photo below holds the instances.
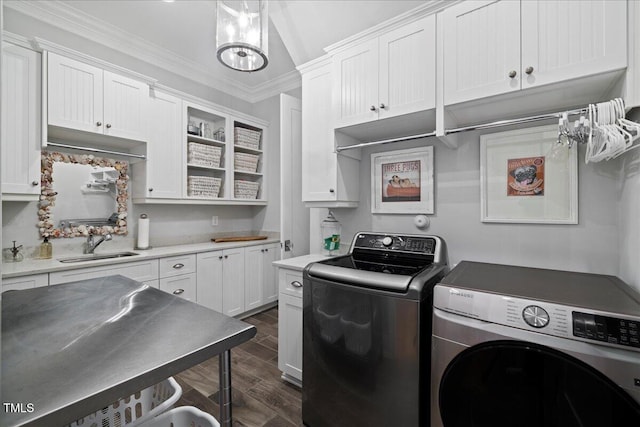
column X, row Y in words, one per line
column 25, row 282
column 183, row 286
column 141, row 271
column 177, row 265
column 290, row 282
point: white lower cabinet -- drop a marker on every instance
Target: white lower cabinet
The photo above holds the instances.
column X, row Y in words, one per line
column 142, row 271
column 221, row 280
column 25, row 282
column 290, row 325
column 260, row 279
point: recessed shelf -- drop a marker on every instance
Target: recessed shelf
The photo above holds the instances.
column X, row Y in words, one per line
column 191, row 165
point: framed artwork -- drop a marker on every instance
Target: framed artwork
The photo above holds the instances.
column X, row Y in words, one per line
column 402, row 181
column 527, row 177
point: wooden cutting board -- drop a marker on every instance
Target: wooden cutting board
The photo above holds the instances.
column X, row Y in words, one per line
column 238, row 239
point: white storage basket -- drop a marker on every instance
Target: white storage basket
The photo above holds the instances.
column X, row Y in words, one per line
column 246, row 162
column 203, row 186
column 203, row 155
column 183, row 416
column 136, row 409
column 247, row 137
column 246, row 189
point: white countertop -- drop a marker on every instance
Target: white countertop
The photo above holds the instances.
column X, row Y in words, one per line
column 300, row 262
column 37, row 266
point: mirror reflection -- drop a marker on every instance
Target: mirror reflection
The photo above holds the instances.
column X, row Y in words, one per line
column 82, row 194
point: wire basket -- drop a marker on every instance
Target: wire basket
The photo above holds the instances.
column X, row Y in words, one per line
column 136, row 409
column 203, row 155
column 246, row 189
column 203, row 186
column 183, row 416
column 246, row 162
column 247, row 137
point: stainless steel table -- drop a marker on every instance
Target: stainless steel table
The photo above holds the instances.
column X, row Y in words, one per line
column 70, row 350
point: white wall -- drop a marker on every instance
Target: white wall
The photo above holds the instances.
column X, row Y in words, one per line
column 590, row 246
column 629, row 194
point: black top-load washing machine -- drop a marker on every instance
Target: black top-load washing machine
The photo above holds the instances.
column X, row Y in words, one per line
column 517, row 346
column 367, row 331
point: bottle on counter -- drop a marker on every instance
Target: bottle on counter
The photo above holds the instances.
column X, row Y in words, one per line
column 46, row 250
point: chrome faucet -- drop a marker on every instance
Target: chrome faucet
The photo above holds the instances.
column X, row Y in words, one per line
column 91, row 245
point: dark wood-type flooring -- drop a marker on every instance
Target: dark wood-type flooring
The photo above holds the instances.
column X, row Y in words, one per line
column 259, row 396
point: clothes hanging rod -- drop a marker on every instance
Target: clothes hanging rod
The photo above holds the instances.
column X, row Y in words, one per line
column 490, row 125
column 97, row 150
column 521, row 120
column 385, row 141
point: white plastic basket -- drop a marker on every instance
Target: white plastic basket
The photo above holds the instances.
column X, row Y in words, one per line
column 247, row 138
column 183, row 416
column 135, row 410
column 203, row 186
column 246, row 189
column 246, row 162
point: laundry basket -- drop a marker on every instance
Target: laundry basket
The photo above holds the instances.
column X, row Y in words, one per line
column 183, row 416
column 135, row 409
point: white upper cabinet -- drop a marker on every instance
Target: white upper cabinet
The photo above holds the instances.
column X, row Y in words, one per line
column 495, row 47
column 20, row 151
column 326, row 175
column 83, row 97
column 160, row 176
column 388, row 76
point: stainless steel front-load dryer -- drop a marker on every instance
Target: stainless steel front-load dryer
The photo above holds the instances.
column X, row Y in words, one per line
column 516, row 346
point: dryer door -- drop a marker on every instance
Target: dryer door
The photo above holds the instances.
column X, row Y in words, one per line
column 515, row 383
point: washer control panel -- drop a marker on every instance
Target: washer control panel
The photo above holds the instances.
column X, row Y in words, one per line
column 402, row 243
column 535, row 316
column 606, row 329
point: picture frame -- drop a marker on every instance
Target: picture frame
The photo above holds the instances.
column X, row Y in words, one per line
column 527, row 177
column 402, row 181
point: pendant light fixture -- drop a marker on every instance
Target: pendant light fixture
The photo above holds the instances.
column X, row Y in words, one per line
column 242, row 34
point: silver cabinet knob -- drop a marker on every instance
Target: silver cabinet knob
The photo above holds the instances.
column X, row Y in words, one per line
column 372, row 108
column 382, row 105
column 296, row 284
column 98, row 123
column 178, row 291
column 529, row 70
column 35, row 183
column 512, row 74
column 108, row 125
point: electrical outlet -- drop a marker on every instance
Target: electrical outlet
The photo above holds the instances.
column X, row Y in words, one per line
column 214, row 221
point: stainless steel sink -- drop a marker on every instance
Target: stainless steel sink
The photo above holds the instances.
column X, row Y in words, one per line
column 94, row 257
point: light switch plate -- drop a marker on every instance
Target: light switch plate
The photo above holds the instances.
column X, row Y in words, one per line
column 214, row 221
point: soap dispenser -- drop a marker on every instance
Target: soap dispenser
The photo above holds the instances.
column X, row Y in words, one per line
column 12, row 254
column 46, row 250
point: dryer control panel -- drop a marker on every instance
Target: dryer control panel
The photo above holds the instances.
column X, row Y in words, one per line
column 606, row 329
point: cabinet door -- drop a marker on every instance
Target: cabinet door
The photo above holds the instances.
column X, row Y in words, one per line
column 183, row 286
column 74, row 94
column 233, row 282
column 210, row 277
column 269, row 274
column 125, row 107
column 319, row 161
column 290, row 336
column 160, row 176
column 356, row 91
column 408, row 69
column 563, row 40
column 25, row 282
column 254, row 277
column 481, row 49
column 20, row 130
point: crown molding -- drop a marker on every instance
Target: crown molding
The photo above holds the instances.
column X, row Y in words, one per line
column 84, row 26
column 429, row 8
column 314, row 63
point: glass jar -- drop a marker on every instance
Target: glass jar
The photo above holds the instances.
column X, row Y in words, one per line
column 330, row 229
